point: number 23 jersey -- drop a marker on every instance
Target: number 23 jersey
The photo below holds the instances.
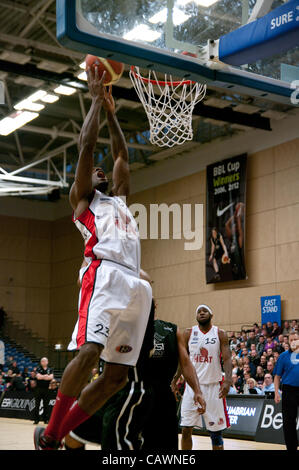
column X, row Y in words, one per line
column 205, row 354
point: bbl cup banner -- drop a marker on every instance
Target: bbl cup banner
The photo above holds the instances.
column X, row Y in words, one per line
column 225, row 232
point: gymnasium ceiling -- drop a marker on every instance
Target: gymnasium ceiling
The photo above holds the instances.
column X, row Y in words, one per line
column 28, row 27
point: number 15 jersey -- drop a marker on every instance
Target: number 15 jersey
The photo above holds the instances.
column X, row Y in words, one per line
column 205, row 354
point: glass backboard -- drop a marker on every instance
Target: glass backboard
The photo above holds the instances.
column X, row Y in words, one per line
column 156, row 33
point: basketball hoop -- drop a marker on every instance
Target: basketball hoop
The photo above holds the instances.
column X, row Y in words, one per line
column 169, row 106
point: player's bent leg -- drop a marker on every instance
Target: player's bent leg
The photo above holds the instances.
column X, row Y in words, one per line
column 217, row 440
column 78, row 370
column 95, row 395
column 73, row 380
column 187, row 438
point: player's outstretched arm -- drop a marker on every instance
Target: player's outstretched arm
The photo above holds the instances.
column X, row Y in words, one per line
column 82, row 187
column 227, row 364
column 188, row 369
column 121, row 173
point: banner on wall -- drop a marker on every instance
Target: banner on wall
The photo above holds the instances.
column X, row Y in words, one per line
column 225, row 228
column 271, row 309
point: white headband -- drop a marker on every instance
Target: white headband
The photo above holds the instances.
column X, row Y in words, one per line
column 204, row 306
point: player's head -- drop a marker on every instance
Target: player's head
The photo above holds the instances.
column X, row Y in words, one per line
column 214, row 232
column 294, row 341
column 204, row 315
column 99, row 180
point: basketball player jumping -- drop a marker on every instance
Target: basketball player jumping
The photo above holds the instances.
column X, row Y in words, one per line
column 207, row 345
column 114, row 303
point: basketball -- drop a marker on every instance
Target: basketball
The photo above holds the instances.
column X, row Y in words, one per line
column 113, row 69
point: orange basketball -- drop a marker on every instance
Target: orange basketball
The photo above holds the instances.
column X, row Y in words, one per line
column 225, row 259
column 114, row 70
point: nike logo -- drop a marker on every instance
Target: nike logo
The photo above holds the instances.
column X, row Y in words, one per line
column 220, row 212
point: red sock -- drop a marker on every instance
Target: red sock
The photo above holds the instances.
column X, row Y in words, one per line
column 74, row 417
column 62, row 405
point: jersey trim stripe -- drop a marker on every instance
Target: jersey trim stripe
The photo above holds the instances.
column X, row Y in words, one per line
column 129, row 443
column 87, row 290
column 119, row 447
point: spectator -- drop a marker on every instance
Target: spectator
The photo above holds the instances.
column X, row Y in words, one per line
column 242, row 346
column 268, row 385
column 269, row 343
column 251, row 340
column 14, row 368
column 44, row 376
column 8, row 378
column 251, row 387
column 264, row 332
column 2, row 385
column 2, row 355
column 269, row 328
column 252, row 367
column 53, row 385
column 269, row 353
column 17, row 384
column 279, row 347
column 260, row 345
column 286, row 328
column 235, row 366
column 233, row 343
column 9, row 362
column 270, row 367
column 260, row 375
column 286, row 346
column 294, row 326
column 31, row 382
column 276, row 330
column 233, row 388
column 244, row 352
column 25, row 374
column 263, row 362
column 254, row 358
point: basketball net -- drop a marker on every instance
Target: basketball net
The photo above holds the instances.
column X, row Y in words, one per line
column 169, row 106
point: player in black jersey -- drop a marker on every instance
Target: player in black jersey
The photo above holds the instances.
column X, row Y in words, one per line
column 143, row 414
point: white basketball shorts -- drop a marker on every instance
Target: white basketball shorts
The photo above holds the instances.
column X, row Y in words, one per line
column 114, row 307
column 215, row 417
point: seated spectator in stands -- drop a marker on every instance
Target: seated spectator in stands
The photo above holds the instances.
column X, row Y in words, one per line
column 252, row 367
column 260, row 345
column 2, row 385
column 252, row 339
column 275, row 356
column 237, row 384
column 235, row 365
column 286, row 328
column 251, row 387
column 264, row 332
column 233, row 343
column 269, row 328
column 269, row 353
column 279, row 348
column 53, row 385
column 254, row 358
column 259, row 376
column 8, row 378
column 94, row 374
column 263, row 362
column 17, row 384
column 25, row 374
column 31, row 383
column 233, row 389
column 269, row 343
column 14, row 368
column 268, row 385
column 242, row 346
column 276, row 330
column 270, row 367
column 286, row 346
column 9, row 362
column 244, row 352
column 294, row 326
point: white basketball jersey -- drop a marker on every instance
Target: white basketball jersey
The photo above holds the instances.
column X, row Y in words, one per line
column 204, row 350
column 110, row 231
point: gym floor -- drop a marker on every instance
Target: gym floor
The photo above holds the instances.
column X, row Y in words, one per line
column 16, row 434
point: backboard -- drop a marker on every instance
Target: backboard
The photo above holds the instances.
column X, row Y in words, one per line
column 154, row 34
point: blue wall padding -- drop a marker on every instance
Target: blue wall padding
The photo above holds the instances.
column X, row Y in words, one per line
column 274, row 33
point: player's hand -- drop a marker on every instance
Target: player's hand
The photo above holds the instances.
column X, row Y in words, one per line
column 96, row 85
column 224, row 389
column 277, row 398
column 175, row 389
column 200, row 402
column 108, row 103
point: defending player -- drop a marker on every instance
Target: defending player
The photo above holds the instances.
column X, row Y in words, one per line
column 207, row 345
column 114, row 303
